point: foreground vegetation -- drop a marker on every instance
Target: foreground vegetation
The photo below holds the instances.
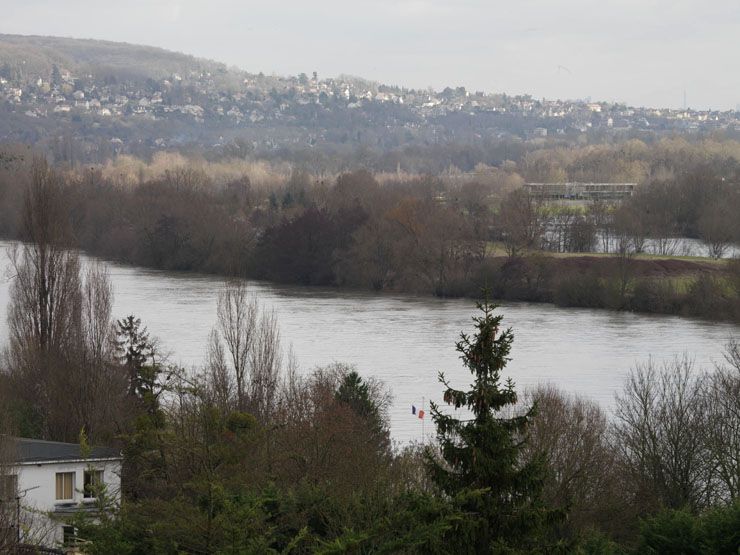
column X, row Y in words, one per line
column 249, row 456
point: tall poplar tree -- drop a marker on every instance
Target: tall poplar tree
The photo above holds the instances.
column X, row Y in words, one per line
column 480, row 463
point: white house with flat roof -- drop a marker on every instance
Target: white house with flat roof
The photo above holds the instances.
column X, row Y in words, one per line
column 43, row 483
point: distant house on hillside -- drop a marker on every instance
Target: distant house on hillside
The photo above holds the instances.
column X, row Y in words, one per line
column 43, row 483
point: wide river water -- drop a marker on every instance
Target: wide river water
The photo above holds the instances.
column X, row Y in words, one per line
column 405, row 340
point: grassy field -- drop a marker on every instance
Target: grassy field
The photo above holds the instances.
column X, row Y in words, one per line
column 496, row 248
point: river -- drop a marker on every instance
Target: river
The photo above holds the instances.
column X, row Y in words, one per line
column 406, row 340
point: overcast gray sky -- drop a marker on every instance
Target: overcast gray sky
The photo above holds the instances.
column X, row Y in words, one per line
column 644, row 52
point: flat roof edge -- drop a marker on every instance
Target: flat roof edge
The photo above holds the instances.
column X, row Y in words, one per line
column 59, row 461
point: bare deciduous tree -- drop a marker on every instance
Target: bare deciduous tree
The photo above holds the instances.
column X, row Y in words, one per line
column 98, row 384
column 520, row 220
column 218, row 380
column 44, row 309
column 327, row 439
column 722, row 423
column 265, row 360
column 572, row 434
column 630, row 231
column 659, row 434
column 252, row 343
column 60, row 360
column 601, row 215
column 718, row 226
column 46, row 284
column 97, row 308
column 237, row 313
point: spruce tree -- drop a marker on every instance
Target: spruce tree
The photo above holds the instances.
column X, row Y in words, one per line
column 356, row 393
column 480, row 464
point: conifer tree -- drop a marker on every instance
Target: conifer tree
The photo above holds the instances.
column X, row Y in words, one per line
column 480, row 463
column 133, row 349
column 357, row 394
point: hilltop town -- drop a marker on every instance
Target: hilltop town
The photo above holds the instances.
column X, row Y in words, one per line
column 211, row 105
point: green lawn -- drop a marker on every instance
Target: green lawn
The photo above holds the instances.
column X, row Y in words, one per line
column 496, row 248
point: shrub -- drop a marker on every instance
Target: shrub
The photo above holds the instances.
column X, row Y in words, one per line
column 716, row 531
column 585, row 290
column 519, row 278
column 720, row 529
column 670, row 532
column 708, row 297
column 654, row 296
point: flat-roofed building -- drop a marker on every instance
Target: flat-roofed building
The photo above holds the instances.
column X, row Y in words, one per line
column 581, row 191
column 43, row 483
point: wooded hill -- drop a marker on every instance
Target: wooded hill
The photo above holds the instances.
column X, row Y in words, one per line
column 37, row 55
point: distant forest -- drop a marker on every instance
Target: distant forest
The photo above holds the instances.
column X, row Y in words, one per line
column 447, row 234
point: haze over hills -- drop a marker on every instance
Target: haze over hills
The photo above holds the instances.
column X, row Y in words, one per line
column 32, row 56
column 108, row 97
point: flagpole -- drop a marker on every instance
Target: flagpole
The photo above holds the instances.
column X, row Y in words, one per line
column 423, row 436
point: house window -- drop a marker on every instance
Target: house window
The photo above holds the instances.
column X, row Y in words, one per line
column 8, row 487
column 65, row 485
column 93, row 480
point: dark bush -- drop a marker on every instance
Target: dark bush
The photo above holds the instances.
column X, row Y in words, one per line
column 671, row 532
column 716, row 531
column 654, row 296
column 575, row 289
column 519, row 278
column 708, row 297
column 721, row 530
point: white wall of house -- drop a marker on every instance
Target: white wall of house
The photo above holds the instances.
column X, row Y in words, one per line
column 37, row 503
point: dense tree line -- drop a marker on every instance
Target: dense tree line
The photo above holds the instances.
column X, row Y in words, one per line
column 423, row 234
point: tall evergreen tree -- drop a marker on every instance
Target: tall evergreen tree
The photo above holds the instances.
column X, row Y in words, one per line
column 356, row 393
column 133, row 349
column 148, row 380
column 480, row 463
column 148, row 377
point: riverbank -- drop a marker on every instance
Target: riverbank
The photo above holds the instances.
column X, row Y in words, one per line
column 685, row 286
column 704, row 288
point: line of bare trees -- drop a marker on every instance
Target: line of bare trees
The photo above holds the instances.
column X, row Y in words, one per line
column 59, row 361
column 673, row 443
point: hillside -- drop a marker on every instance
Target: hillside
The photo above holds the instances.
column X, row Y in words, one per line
column 100, row 98
column 34, row 56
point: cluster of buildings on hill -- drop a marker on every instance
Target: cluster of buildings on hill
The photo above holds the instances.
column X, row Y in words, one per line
column 247, row 101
